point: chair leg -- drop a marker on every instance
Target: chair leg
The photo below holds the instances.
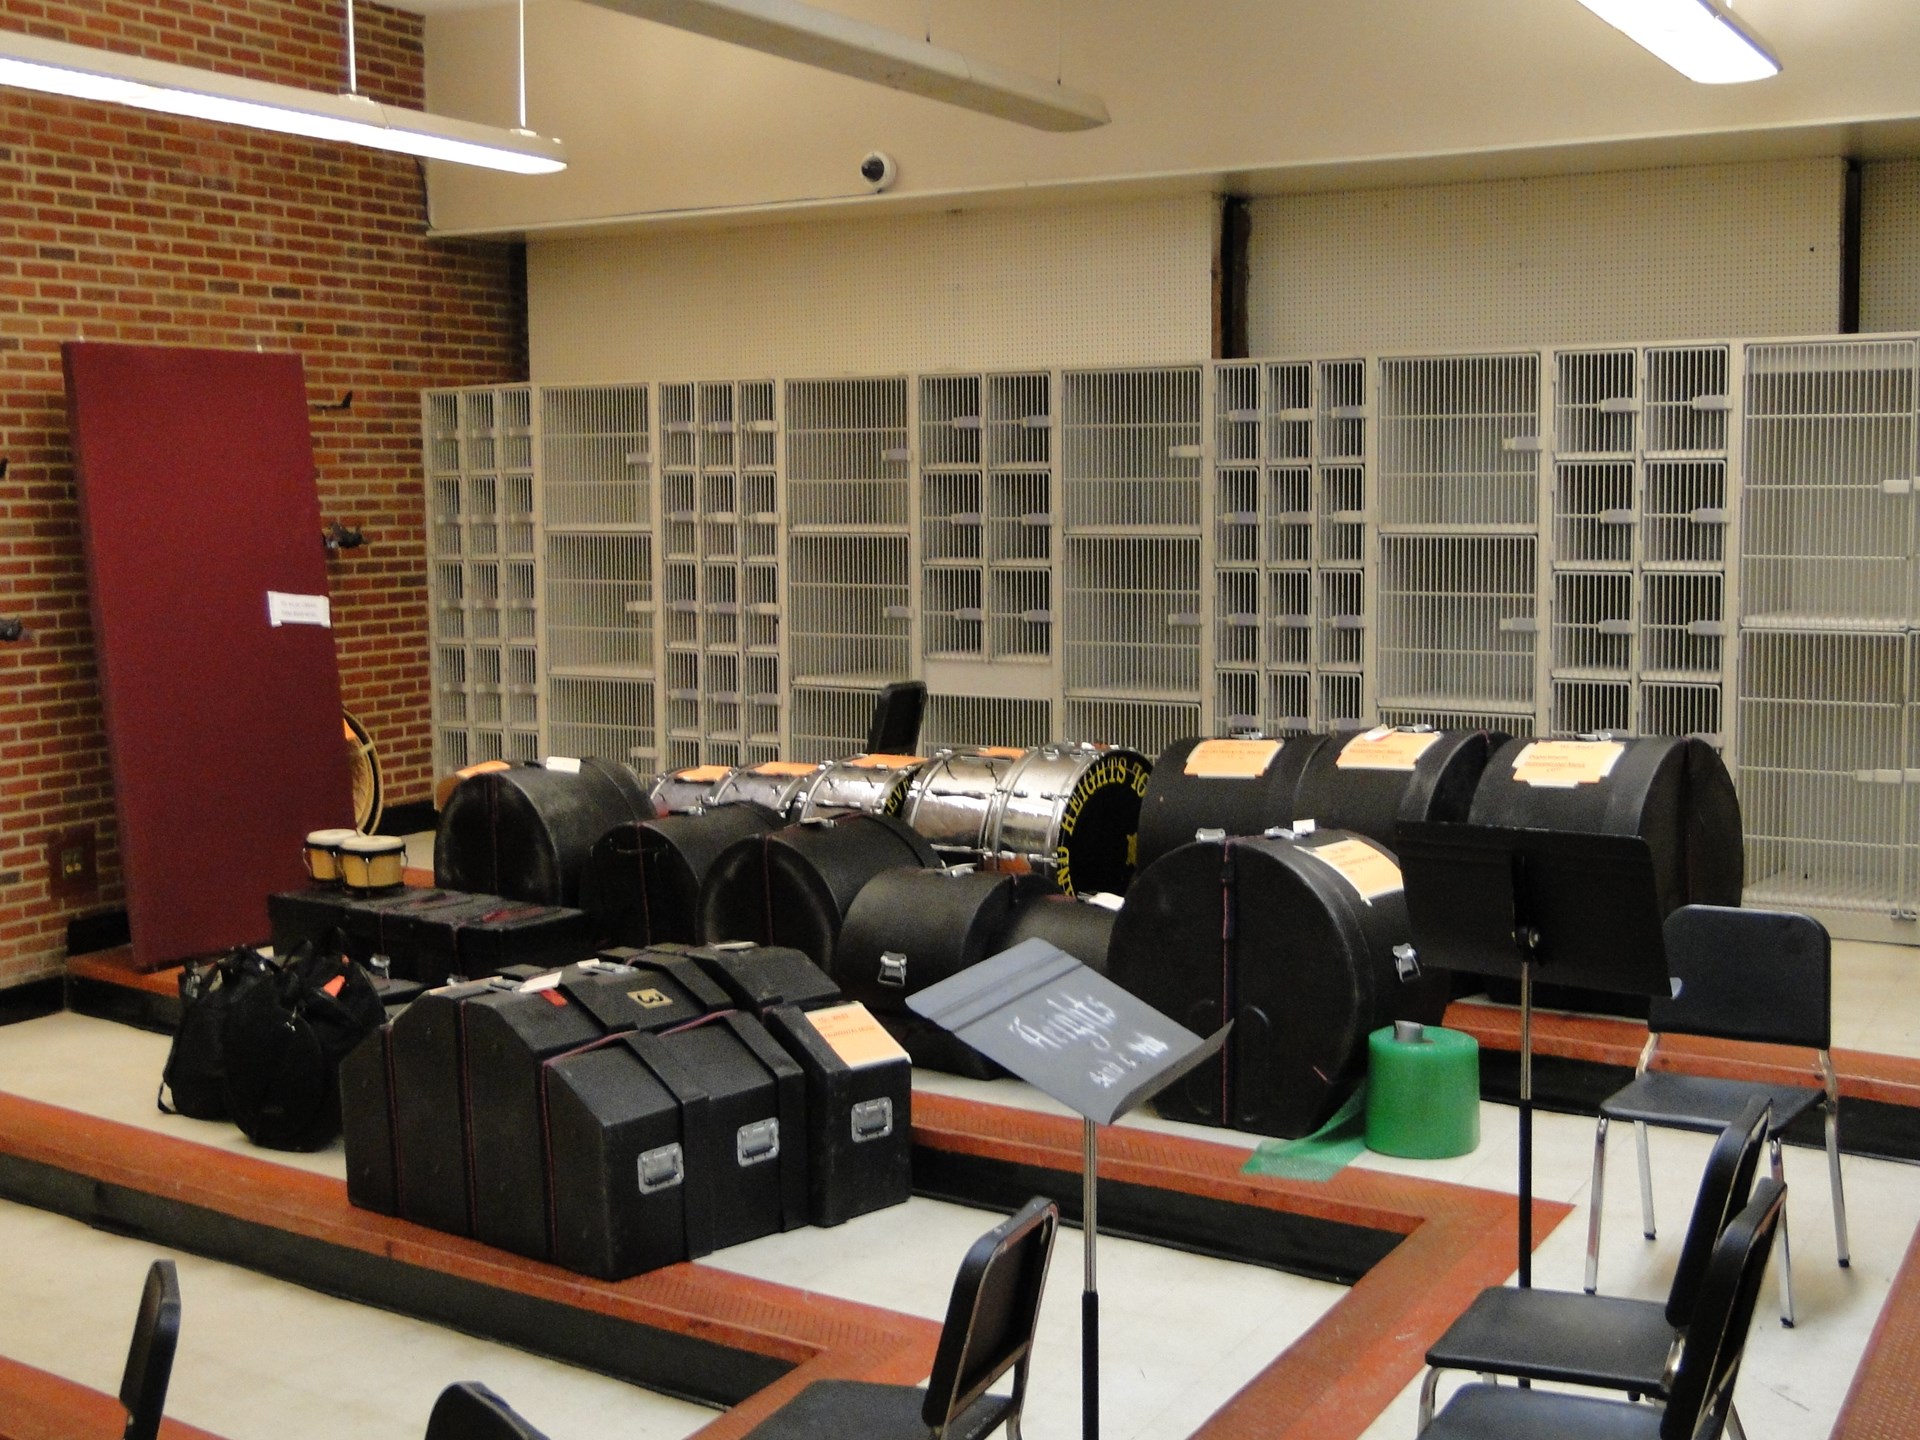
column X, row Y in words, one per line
column 1013, row 1427
column 1735, row 1430
column 1429, row 1388
column 1646, row 1180
column 1786, row 1249
column 1595, row 1193
column 1839, row 1191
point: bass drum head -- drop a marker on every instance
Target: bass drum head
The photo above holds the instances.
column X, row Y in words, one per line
column 679, row 791
column 860, row 785
column 951, row 799
column 1072, row 814
column 777, row 785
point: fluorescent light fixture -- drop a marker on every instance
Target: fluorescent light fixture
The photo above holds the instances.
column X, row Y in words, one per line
column 829, row 41
column 28, row 62
column 1699, row 38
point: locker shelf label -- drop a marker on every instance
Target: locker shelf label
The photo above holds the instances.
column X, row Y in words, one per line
column 1563, row 764
column 1386, row 750
column 1231, row 759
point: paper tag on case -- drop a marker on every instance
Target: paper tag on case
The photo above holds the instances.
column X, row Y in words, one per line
column 1563, row 764
column 1372, row 873
column 1231, row 759
column 855, row 1036
column 1386, row 750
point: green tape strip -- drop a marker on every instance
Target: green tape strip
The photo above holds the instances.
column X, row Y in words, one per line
column 1321, row 1155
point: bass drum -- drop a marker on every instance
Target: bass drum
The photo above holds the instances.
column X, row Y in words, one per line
column 679, row 792
column 642, row 884
column 1371, row 781
column 776, row 785
column 1293, row 940
column 1080, row 926
column 525, row 832
column 1238, row 787
column 1070, row 813
column 951, row 799
column 909, row 929
column 859, row 785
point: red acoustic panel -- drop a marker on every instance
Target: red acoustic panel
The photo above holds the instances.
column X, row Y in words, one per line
column 196, row 485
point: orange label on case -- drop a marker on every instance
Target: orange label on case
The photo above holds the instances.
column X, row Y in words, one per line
column 854, row 1035
column 785, row 767
column 1563, row 764
column 334, row 986
column 702, row 774
column 1386, row 749
column 883, row 762
column 1371, row 873
column 1231, row 759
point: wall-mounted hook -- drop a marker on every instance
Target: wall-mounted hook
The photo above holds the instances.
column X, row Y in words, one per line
column 345, row 402
column 337, row 537
column 4, row 463
column 12, row 628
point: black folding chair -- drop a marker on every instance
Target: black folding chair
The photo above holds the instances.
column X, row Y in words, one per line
column 156, row 1334
column 989, row 1331
column 470, row 1411
column 1762, row 976
column 1605, row 1341
column 895, row 727
column 1701, row 1400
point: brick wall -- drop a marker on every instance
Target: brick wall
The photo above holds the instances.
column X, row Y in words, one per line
column 116, row 225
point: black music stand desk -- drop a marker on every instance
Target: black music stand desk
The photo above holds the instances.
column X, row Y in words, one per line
column 1073, row 1034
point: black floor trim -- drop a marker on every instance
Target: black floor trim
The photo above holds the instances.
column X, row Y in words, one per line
column 1300, row 1244
column 124, row 1004
column 684, row 1366
column 32, row 1000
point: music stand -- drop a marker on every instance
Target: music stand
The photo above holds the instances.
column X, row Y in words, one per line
column 1506, row 902
column 1073, row 1034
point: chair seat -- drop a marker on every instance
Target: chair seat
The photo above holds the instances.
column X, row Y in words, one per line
column 1605, row 1341
column 1702, row 1102
column 841, row 1409
column 1494, row 1412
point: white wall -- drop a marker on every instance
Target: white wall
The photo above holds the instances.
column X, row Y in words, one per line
column 1705, row 251
column 1109, row 284
column 1890, row 246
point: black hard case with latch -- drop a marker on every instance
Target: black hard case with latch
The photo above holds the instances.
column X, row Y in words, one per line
column 506, row 1037
column 859, row 1123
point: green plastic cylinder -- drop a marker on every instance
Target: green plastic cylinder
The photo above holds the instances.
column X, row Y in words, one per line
column 1423, row 1097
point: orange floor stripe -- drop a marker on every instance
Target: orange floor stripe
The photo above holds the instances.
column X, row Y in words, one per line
column 37, row 1405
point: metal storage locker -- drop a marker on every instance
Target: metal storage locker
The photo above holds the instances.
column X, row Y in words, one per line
column 598, row 648
column 985, row 720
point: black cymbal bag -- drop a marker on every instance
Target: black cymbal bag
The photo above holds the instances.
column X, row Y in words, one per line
column 366, row 1121
column 526, row 832
column 505, row 1037
column 1081, row 926
column 1675, row 793
column 621, row 1120
column 429, row 1106
column 758, row 977
column 795, row 886
column 1369, row 781
column 643, row 879
column 859, row 1109
column 1238, row 787
column 1293, row 940
column 913, row 928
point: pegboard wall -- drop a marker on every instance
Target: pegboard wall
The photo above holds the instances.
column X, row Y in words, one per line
column 1112, row 283
column 1889, row 244
column 1573, row 259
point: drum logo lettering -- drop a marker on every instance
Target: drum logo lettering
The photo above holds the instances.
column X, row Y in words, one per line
column 1111, row 770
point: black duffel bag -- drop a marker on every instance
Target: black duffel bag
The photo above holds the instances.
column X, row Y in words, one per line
column 284, row 1040
column 194, row 1082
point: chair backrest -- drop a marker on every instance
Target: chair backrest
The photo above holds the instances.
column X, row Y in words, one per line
column 895, row 728
column 156, row 1334
column 470, row 1411
column 1760, row 975
column 1702, row 1392
column 993, row 1312
column 1725, row 1186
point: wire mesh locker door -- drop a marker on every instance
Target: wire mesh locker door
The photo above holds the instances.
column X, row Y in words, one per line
column 1829, row 466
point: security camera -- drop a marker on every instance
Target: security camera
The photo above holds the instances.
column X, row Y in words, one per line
column 878, row 170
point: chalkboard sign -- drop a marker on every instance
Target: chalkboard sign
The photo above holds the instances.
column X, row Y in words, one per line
column 1065, row 1029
